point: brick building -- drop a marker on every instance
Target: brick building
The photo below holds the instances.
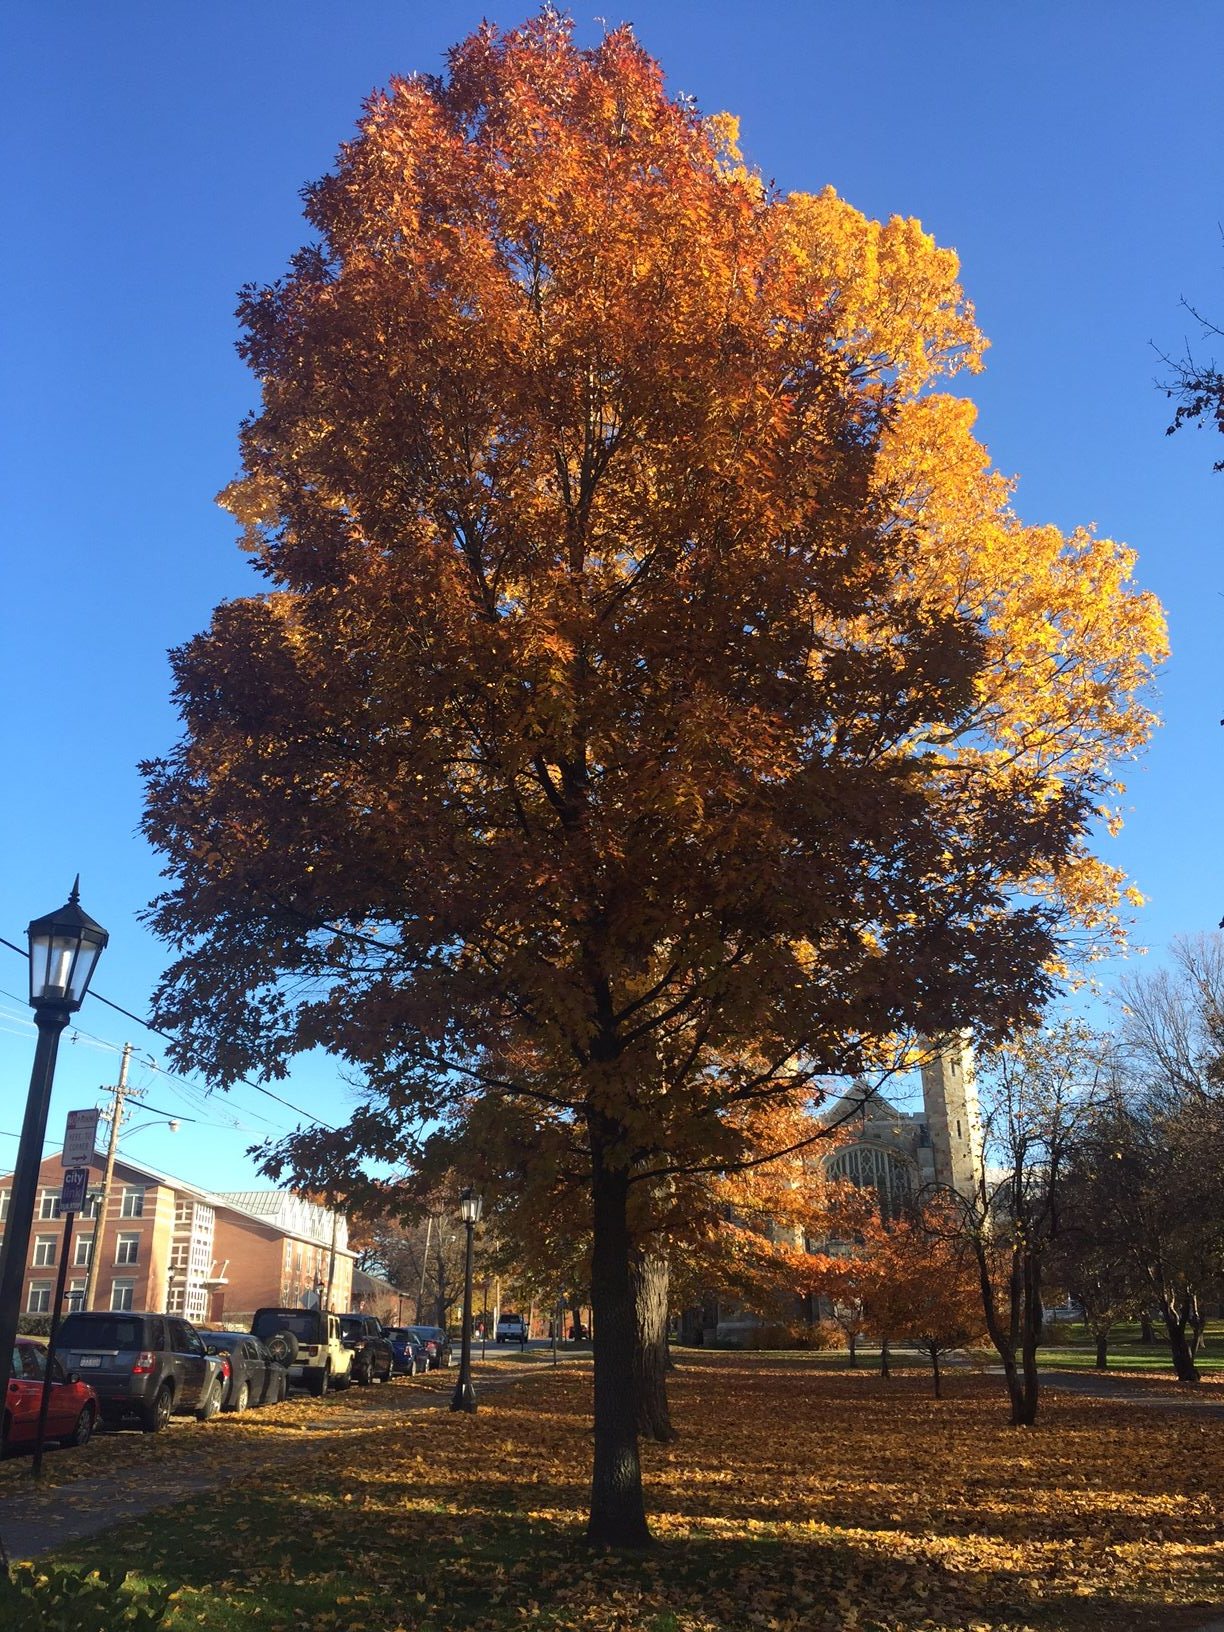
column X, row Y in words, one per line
column 168, row 1245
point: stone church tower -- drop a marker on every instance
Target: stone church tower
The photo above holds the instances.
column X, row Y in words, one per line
column 954, row 1124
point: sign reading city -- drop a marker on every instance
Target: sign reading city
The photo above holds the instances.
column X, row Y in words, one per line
column 80, row 1136
column 73, row 1190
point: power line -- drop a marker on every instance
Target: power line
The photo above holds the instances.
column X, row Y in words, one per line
column 158, row 1032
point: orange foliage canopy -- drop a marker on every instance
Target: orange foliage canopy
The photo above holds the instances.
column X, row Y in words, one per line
column 653, row 700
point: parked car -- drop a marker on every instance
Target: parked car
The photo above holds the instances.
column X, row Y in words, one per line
column 255, row 1377
column 72, row 1410
column 436, row 1343
column 372, row 1355
column 142, row 1365
column 308, row 1343
column 409, row 1353
column 511, row 1329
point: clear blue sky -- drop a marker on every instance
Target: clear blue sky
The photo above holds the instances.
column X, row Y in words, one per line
column 1071, row 152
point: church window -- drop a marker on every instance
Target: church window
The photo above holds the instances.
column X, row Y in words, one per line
column 872, row 1168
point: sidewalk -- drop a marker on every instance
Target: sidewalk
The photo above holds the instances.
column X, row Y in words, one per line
column 37, row 1519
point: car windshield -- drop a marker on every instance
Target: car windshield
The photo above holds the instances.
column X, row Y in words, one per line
column 351, row 1326
column 100, row 1332
column 427, row 1334
column 303, row 1323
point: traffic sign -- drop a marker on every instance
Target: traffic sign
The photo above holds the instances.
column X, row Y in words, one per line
column 73, row 1190
column 80, row 1137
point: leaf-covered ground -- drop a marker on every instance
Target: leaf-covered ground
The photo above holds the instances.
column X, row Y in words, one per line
column 795, row 1498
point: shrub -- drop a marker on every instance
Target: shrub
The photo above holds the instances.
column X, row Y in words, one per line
column 34, row 1325
column 58, row 1600
column 827, row 1334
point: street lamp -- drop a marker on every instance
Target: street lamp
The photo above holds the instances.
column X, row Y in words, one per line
column 464, row 1397
column 64, row 949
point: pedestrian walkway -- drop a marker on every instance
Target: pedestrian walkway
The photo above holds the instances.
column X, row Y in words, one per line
column 1130, row 1391
column 40, row 1519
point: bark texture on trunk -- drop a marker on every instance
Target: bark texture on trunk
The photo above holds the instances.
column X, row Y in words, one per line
column 1146, row 1334
column 1102, row 1358
column 651, row 1281
column 885, row 1358
column 618, row 1513
column 935, row 1374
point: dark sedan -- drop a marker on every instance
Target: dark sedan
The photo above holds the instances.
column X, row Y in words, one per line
column 255, row 1377
column 410, row 1353
column 437, row 1344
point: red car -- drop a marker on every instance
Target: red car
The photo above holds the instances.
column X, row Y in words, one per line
column 71, row 1412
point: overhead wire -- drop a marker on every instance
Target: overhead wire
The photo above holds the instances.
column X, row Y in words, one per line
column 148, row 1025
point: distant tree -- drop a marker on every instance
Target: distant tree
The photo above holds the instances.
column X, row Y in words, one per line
column 924, row 1285
column 1039, row 1092
column 653, row 700
column 1094, row 1272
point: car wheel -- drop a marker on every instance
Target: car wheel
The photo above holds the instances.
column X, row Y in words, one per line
column 153, row 1418
column 318, row 1385
column 386, row 1376
column 242, row 1399
column 211, row 1403
column 82, row 1433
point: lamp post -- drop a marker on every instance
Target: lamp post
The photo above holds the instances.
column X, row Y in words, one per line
column 464, row 1397
column 64, row 949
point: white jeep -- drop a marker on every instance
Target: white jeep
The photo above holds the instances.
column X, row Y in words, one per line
column 309, row 1343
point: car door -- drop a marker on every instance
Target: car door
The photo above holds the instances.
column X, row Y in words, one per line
column 65, row 1402
column 21, row 1406
column 256, row 1369
column 190, row 1362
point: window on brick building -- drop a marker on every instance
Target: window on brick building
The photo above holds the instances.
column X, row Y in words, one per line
column 133, row 1203
column 121, row 1294
column 39, row 1300
column 44, row 1251
column 127, row 1250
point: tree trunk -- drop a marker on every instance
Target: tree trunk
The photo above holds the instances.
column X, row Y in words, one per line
column 852, row 1340
column 1102, row 1346
column 1002, row 1339
column 1176, row 1321
column 618, row 1514
column 935, row 1374
column 1030, row 1336
column 885, row 1358
column 1198, row 1320
column 650, row 1280
column 1146, row 1334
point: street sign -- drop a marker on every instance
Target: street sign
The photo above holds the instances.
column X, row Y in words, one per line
column 73, row 1190
column 80, row 1137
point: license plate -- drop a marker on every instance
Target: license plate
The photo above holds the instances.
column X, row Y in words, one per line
column 88, row 1360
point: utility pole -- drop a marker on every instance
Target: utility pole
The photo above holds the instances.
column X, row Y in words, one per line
column 424, row 1266
column 331, row 1259
column 119, row 1094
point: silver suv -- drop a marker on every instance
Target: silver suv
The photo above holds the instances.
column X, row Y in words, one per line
column 147, row 1366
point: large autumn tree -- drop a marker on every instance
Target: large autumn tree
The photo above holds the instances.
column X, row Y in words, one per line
column 652, row 699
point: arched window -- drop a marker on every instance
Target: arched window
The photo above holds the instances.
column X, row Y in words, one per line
column 870, row 1167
